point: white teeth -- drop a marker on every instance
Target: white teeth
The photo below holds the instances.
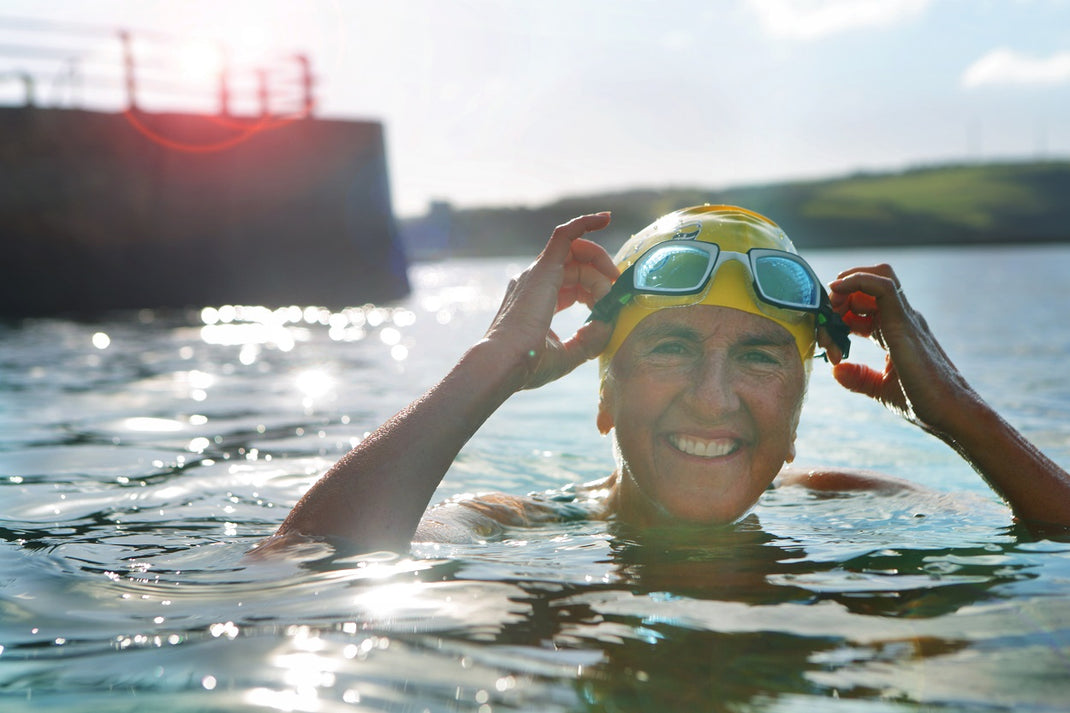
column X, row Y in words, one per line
column 705, row 449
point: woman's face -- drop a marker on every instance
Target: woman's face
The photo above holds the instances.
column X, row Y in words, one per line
column 705, row 403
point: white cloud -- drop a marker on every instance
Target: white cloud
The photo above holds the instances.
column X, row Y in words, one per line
column 814, row 19
column 1004, row 66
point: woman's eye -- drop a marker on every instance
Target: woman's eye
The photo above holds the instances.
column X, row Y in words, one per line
column 670, row 348
column 757, row 356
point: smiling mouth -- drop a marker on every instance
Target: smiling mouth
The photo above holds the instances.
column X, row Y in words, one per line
column 703, row 448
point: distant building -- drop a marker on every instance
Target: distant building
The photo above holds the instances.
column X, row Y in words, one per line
column 431, row 236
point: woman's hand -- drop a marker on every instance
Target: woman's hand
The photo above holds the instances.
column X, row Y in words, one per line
column 570, row 269
column 918, row 381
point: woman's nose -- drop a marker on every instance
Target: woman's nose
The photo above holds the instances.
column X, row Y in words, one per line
column 713, row 393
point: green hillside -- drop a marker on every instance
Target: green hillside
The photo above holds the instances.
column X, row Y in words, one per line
column 985, row 203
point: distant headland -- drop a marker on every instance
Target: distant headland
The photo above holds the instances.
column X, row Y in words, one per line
column 1019, row 202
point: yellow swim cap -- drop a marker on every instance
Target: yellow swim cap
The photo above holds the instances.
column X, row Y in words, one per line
column 734, row 230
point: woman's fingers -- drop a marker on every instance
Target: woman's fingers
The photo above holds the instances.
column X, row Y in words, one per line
column 861, row 325
column 570, row 269
column 555, row 270
column 884, row 387
column 870, row 300
column 560, row 244
column 588, row 270
column 882, row 270
column 863, row 292
column 589, row 274
column 859, row 378
column 857, row 302
column 917, row 375
column 590, row 253
column 587, row 343
column 583, row 283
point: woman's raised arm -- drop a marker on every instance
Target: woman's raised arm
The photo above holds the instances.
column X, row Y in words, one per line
column 376, row 494
column 920, row 382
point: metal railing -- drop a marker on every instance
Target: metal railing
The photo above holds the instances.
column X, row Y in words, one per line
column 79, row 65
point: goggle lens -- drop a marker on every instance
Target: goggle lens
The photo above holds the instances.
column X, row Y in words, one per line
column 674, row 269
column 780, row 278
column 786, row 282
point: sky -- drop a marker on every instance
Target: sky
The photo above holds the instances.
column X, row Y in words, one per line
column 492, row 103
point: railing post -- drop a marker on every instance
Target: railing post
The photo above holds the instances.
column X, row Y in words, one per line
column 27, row 81
column 224, row 82
column 128, row 66
column 306, row 84
column 262, row 92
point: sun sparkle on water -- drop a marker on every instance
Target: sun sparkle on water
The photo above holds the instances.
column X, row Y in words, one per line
column 314, row 383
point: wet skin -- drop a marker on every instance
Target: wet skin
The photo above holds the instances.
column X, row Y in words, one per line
column 705, row 404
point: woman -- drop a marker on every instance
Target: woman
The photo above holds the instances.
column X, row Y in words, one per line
column 705, row 342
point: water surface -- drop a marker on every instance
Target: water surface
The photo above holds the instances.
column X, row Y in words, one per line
column 141, row 456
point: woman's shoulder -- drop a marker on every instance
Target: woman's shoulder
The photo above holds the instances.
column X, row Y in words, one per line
column 486, row 516
column 842, row 479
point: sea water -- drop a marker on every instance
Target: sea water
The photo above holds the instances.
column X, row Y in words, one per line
column 141, row 456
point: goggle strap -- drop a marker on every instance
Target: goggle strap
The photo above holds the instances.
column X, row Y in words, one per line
column 620, row 294
column 834, row 325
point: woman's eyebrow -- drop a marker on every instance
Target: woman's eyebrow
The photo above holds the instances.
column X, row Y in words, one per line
column 677, row 331
column 777, row 338
column 760, row 338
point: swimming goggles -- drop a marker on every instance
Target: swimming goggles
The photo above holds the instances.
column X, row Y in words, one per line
column 680, row 269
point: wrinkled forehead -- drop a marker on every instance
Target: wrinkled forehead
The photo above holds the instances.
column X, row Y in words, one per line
column 712, row 323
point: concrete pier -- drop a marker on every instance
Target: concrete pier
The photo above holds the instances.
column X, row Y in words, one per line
column 104, row 211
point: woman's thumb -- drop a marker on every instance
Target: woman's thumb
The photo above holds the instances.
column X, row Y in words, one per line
column 859, row 378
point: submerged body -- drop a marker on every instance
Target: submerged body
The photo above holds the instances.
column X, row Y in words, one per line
column 486, row 517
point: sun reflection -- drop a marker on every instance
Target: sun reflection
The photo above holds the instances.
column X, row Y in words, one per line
column 281, row 337
column 253, row 328
column 248, row 354
column 404, row 317
column 283, row 700
column 375, row 317
column 198, row 445
column 192, row 384
column 384, row 601
column 228, row 629
column 314, row 383
column 146, row 424
column 305, row 668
